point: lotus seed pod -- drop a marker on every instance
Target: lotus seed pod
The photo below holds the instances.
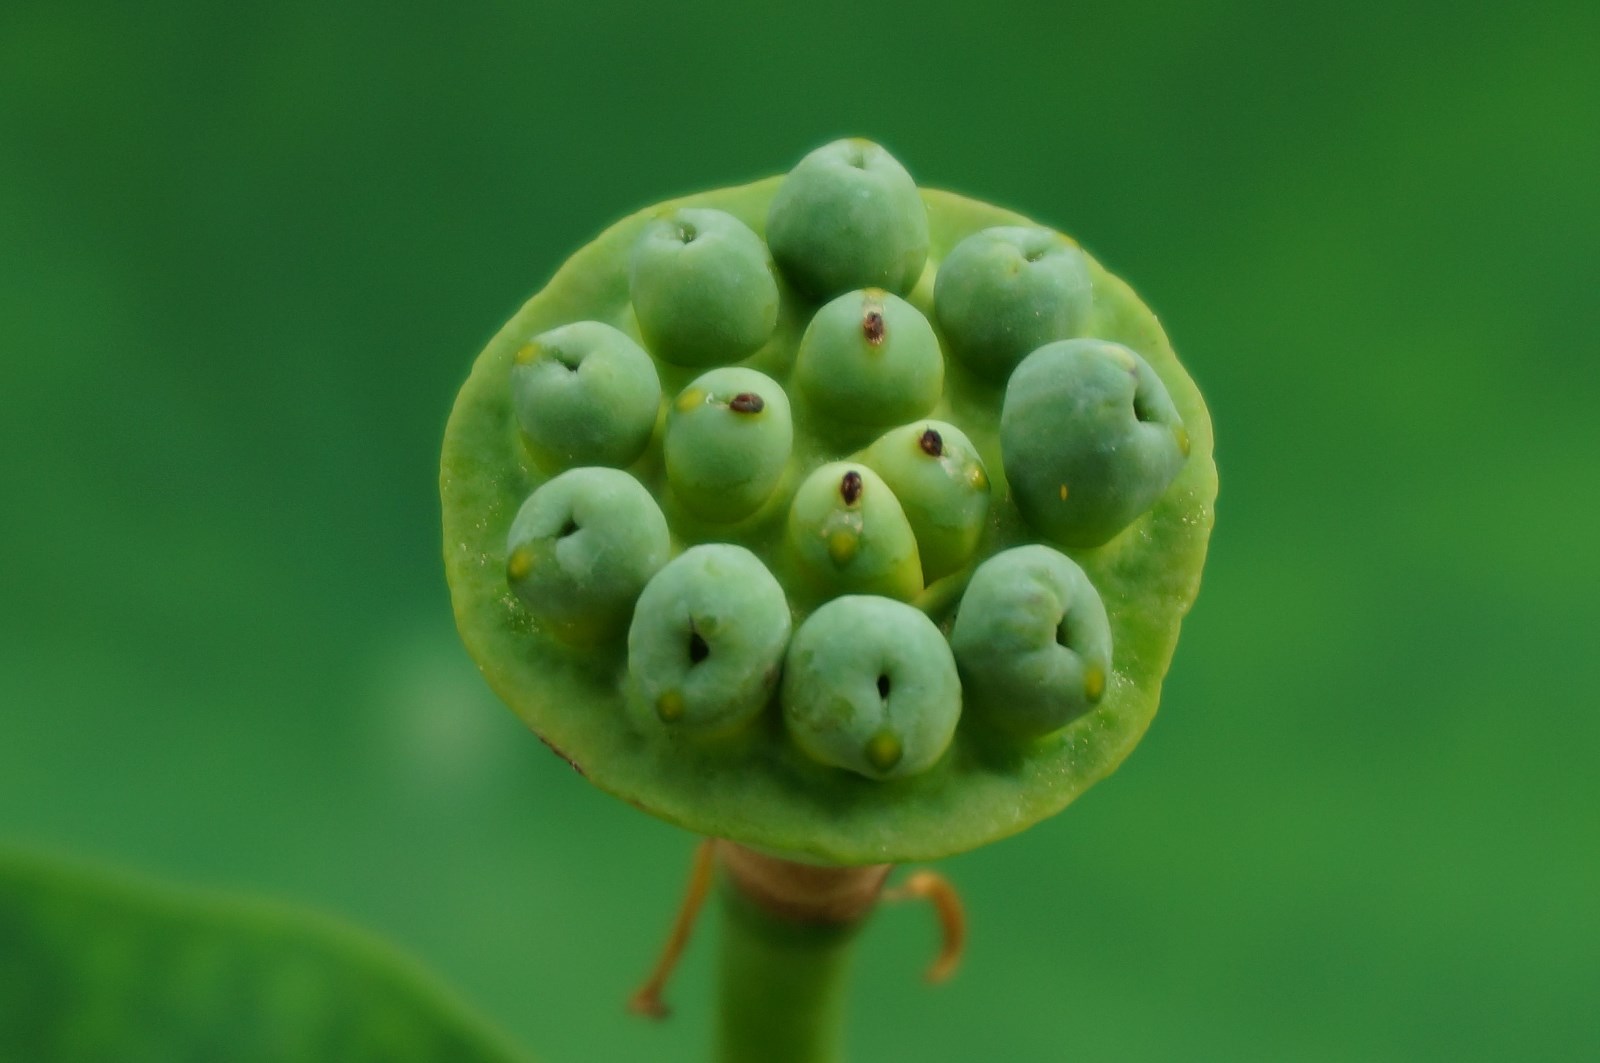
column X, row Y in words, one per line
column 585, row 394
column 848, row 216
column 869, row 685
column 1032, row 641
column 866, row 480
column 581, row 549
column 707, row 641
column 941, row 484
column 702, row 288
column 870, row 358
column 1090, row 439
column 728, row 439
column 1007, row 291
column 850, row 535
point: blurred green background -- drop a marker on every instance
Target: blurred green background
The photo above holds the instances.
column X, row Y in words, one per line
column 247, row 253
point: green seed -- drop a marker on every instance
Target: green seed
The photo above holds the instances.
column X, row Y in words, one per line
column 1032, row 641
column 869, row 685
column 848, row 216
column 581, row 549
column 870, row 358
column 702, row 287
column 1007, row 291
column 708, row 639
column 850, row 535
column 728, row 440
column 584, row 394
column 935, row 472
column 1090, row 440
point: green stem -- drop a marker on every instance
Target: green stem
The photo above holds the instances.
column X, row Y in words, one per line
column 782, row 985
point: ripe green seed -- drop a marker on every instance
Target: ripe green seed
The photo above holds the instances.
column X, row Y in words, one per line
column 1090, row 439
column 584, row 394
column 848, row 216
column 703, row 288
column 870, row 358
column 1032, row 641
column 581, row 549
column 1005, row 292
column 727, row 443
column 941, row 484
column 707, row 640
column 869, row 685
column 850, row 536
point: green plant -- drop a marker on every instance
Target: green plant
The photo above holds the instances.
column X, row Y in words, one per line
column 949, row 427
column 903, row 581
column 100, row 966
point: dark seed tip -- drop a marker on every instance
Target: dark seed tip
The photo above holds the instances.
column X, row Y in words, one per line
column 850, row 487
column 872, row 326
column 747, row 402
column 931, row 443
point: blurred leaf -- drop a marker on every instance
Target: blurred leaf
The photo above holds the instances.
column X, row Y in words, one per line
column 95, row 967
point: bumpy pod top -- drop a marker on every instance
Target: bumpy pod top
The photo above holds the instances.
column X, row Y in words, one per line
column 829, row 515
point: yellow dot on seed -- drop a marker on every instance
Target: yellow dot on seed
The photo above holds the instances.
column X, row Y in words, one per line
column 690, row 398
column 883, row 750
column 1183, row 439
column 670, row 706
column 520, row 563
column 1063, row 492
column 842, row 546
column 978, row 478
column 527, row 353
column 1094, row 684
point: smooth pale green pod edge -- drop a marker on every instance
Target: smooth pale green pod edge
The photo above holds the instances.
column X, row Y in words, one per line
column 770, row 795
